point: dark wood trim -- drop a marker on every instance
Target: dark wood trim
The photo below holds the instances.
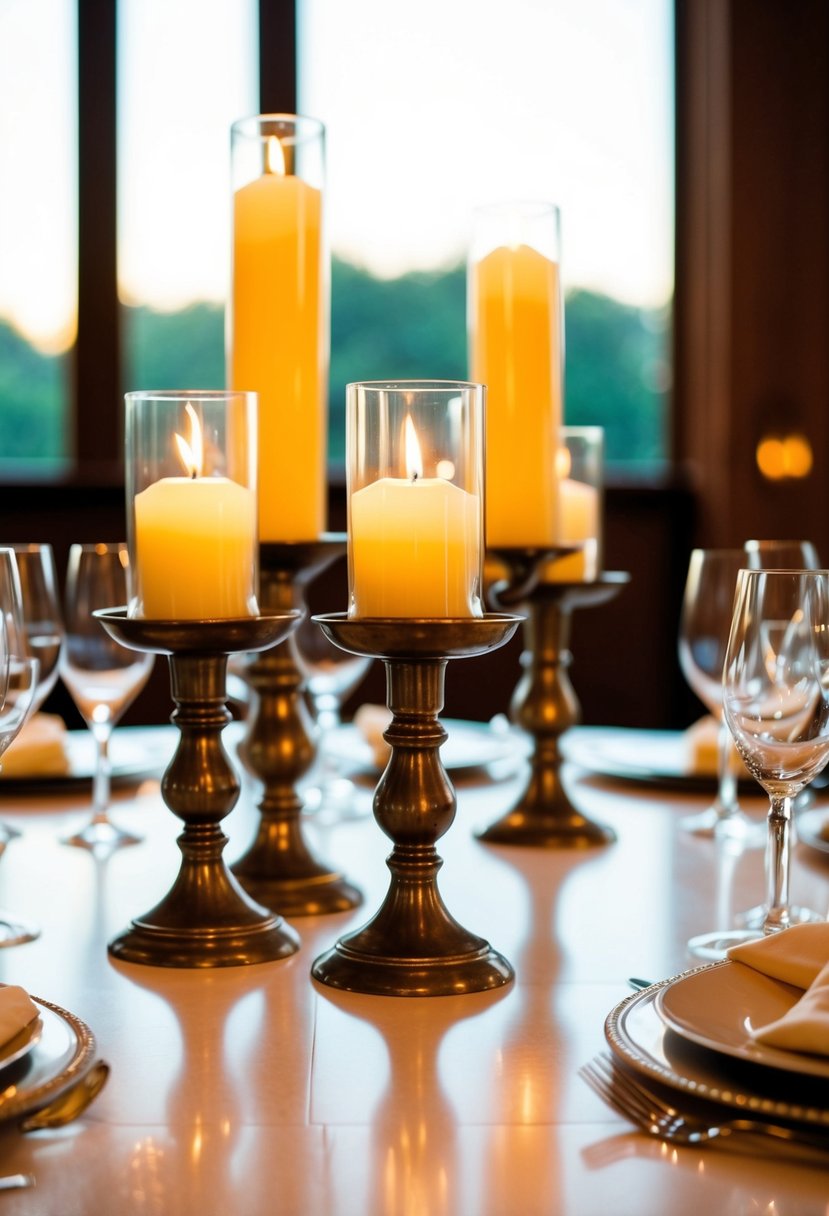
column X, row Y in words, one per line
column 277, row 56
column 97, row 375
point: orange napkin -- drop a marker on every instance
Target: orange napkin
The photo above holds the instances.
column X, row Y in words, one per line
column 797, row 956
column 39, row 750
column 17, row 1010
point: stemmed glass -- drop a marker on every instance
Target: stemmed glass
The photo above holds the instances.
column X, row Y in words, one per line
column 705, row 622
column 102, row 676
column 331, row 675
column 776, row 703
column 18, row 681
column 42, row 623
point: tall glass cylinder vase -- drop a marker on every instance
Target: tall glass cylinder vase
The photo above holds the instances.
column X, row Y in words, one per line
column 516, row 348
column 278, row 316
column 415, row 498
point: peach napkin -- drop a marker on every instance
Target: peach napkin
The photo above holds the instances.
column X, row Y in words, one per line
column 17, row 1010
column 797, row 956
column 39, row 750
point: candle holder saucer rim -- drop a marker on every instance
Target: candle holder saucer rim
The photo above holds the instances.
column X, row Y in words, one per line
column 203, row 635
column 419, row 637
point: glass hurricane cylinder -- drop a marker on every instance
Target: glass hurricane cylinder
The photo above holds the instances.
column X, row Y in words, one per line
column 516, row 348
column 415, row 498
column 580, row 476
column 278, row 314
column 191, row 504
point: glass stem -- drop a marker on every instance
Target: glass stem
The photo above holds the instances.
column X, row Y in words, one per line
column 726, row 803
column 103, row 771
column 778, row 853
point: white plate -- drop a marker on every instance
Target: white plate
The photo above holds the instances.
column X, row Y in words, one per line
column 133, row 756
column 721, row 1007
column 646, row 757
column 22, row 1043
column 639, row 1038
column 470, row 745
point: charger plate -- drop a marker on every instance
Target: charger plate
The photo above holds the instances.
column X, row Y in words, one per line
column 642, row 1041
column 63, row 1054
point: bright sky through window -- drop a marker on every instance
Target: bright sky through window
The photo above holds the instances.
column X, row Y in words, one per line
column 431, row 109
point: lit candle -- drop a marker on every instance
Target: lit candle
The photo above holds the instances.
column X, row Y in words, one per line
column 277, row 344
column 515, row 349
column 195, row 540
column 415, row 544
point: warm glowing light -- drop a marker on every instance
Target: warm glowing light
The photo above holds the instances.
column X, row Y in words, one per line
column 191, row 453
column 414, row 460
column 445, row 469
column 564, row 463
column 789, row 456
column 274, row 156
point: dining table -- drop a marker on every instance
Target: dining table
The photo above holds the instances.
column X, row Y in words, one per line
column 253, row 1089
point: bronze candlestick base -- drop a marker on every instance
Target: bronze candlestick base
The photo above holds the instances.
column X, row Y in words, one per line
column 279, row 869
column 545, row 705
column 413, row 946
column 206, row 919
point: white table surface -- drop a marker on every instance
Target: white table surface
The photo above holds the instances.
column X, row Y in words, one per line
column 252, row 1090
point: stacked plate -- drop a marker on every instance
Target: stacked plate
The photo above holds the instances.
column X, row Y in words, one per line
column 47, row 1057
column 692, row 1033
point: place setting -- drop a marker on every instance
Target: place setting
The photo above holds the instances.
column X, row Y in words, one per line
column 749, row 1032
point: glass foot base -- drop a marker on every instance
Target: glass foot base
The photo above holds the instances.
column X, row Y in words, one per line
column 734, row 826
column 101, row 836
column 716, row 945
column 14, row 932
column 754, row 918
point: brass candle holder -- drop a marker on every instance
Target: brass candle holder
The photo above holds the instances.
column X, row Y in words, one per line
column 544, row 702
column 279, row 870
column 206, row 919
column 413, row 946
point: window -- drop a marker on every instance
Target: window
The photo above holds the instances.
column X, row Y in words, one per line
column 38, row 220
column 429, row 111
column 433, row 109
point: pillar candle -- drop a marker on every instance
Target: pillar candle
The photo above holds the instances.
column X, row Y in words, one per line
column 195, row 548
column 278, row 348
column 515, row 347
column 580, row 524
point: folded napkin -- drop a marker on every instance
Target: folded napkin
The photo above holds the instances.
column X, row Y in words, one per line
column 39, row 750
column 17, row 1010
column 797, row 956
column 701, row 745
column 371, row 721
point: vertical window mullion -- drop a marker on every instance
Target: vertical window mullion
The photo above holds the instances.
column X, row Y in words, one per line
column 277, row 56
column 97, row 379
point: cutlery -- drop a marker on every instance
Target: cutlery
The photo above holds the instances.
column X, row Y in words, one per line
column 639, row 984
column 71, row 1103
column 657, row 1117
column 12, row 1181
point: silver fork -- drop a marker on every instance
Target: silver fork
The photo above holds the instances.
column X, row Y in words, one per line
column 631, row 1099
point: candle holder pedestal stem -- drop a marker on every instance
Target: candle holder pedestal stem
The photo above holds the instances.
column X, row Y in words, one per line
column 545, row 705
column 206, row 919
column 279, row 870
column 413, row 946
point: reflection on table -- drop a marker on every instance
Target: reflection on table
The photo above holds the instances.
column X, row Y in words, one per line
column 251, row 1090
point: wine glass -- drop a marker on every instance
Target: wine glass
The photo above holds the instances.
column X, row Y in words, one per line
column 102, row 676
column 18, row 682
column 776, row 704
column 42, row 623
column 705, row 622
column 331, row 675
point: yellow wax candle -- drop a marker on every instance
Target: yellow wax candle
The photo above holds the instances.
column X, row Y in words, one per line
column 515, row 349
column 415, row 548
column 195, row 548
column 580, row 524
column 278, row 347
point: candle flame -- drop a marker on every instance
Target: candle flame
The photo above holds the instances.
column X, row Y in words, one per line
column 414, row 460
column 191, row 452
column 274, row 156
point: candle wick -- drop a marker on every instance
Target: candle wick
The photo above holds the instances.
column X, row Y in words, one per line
column 414, row 476
column 193, row 475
